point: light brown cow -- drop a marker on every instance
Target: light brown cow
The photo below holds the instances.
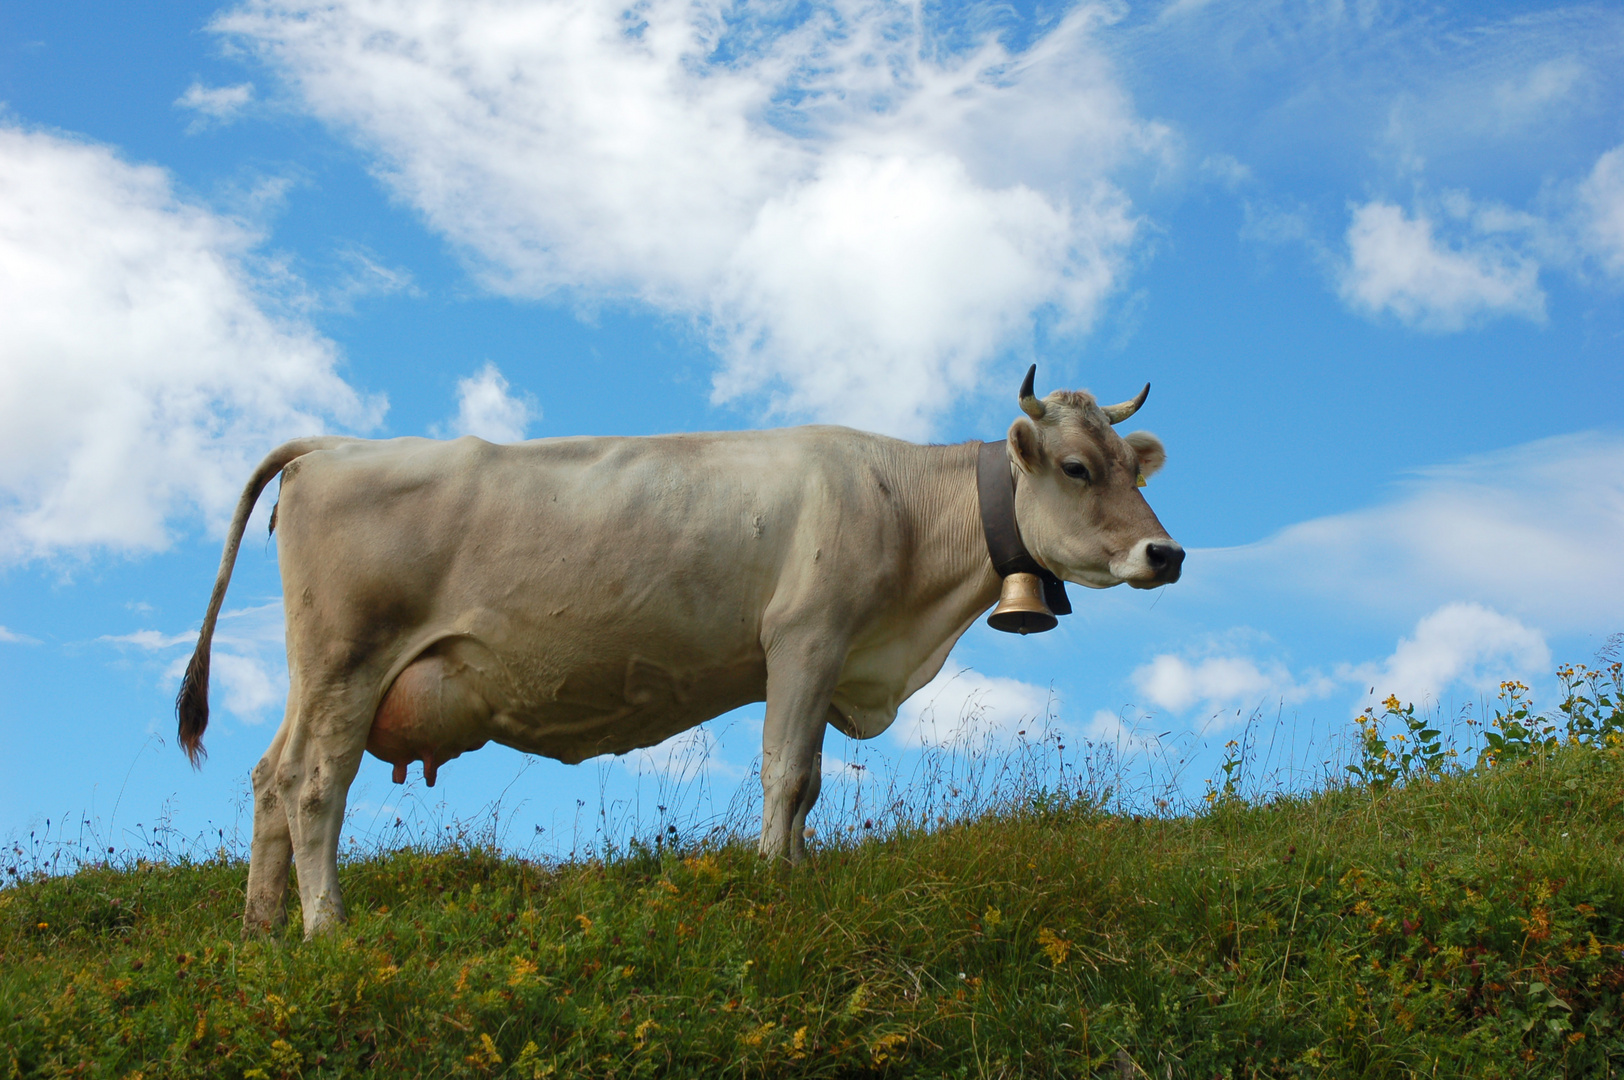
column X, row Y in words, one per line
column 581, row 596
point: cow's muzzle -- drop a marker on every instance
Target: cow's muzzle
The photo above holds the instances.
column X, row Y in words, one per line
column 1166, row 560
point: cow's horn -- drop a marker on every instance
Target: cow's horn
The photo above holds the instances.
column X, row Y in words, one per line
column 1030, row 405
column 1118, row 413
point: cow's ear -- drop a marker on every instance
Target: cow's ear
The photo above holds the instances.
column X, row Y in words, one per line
column 1025, row 445
column 1152, row 455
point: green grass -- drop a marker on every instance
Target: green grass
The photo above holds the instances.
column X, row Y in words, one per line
column 1470, row 924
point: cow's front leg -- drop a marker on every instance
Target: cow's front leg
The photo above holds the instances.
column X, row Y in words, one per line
column 808, row 799
column 317, row 766
column 272, row 851
column 799, row 686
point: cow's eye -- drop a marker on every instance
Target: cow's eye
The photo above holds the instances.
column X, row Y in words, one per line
column 1075, row 469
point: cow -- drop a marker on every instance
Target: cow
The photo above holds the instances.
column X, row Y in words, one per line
column 580, row 596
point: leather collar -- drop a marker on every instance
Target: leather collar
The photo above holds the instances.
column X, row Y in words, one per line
column 995, row 489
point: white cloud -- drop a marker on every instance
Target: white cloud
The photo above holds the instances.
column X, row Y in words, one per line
column 14, row 638
column 961, row 707
column 1529, row 96
column 249, row 655
column 1401, row 96
column 215, row 104
column 684, row 756
column 485, row 408
column 1397, row 265
column 1172, row 682
column 858, row 284
column 859, row 217
column 362, row 276
column 1179, row 9
column 1227, row 171
column 141, row 372
column 1601, row 216
column 1454, row 74
column 1517, row 92
column 1533, row 531
column 1459, row 643
column 248, row 672
column 149, row 639
column 1223, row 676
column 1132, row 730
column 840, row 771
column 249, row 685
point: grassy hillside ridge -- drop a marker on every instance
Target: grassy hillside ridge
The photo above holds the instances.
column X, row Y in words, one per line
column 1421, row 921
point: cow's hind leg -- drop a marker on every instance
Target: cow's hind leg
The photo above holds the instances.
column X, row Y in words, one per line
column 800, row 682
column 272, row 851
column 318, row 763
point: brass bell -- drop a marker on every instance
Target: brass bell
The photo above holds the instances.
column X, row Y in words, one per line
column 1021, row 609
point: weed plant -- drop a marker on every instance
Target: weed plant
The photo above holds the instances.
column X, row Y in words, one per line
column 1419, row 918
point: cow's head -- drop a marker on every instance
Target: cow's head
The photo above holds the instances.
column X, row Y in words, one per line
column 1078, row 502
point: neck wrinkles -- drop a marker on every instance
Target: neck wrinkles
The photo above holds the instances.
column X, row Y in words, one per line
column 937, row 486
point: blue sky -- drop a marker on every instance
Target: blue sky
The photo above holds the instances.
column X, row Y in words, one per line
column 1370, row 256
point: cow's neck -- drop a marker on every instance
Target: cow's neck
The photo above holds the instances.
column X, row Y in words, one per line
column 950, row 571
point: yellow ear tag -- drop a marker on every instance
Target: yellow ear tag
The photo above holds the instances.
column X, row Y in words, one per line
column 1141, row 480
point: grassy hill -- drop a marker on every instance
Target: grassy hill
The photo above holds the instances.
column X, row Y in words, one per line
column 1420, row 921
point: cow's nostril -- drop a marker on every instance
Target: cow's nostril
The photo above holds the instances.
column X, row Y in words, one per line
column 1166, row 559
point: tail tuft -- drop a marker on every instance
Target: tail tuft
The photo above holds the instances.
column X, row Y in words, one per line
column 192, row 706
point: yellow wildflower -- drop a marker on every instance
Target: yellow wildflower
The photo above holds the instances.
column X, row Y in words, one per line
column 881, row 1048
column 1055, row 947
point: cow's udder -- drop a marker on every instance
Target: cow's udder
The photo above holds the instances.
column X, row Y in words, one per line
column 430, row 714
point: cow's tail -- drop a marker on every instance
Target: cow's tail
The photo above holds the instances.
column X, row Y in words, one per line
column 192, row 703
